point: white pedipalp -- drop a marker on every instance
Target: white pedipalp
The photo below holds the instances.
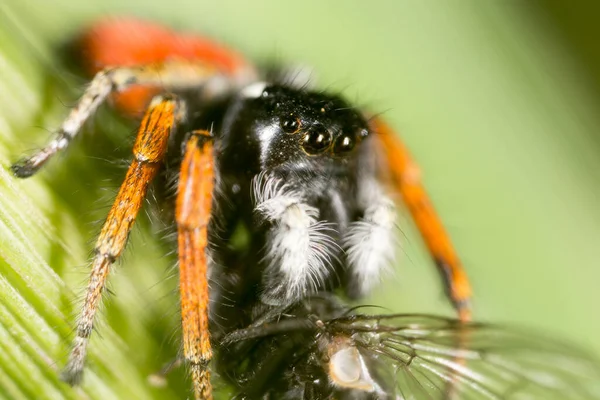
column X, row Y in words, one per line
column 370, row 244
column 299, row 247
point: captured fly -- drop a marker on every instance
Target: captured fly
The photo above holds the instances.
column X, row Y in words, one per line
column 319, row 349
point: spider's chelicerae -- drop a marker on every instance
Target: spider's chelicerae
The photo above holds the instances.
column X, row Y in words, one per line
column 312, row 181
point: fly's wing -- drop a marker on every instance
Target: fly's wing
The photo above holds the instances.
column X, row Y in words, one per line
column 424, row 357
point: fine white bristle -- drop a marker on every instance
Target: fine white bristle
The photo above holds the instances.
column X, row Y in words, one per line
column 369, row 245
column 299, row 247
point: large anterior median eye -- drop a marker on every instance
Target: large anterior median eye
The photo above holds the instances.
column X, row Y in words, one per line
column 316, row 140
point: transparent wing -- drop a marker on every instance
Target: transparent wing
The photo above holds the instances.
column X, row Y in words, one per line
column 424, row 357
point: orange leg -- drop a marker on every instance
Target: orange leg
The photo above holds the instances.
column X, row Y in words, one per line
column 193, row 208
column 149, row 150
column 404, row 174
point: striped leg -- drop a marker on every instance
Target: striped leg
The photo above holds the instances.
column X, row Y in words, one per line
column 172, row 75
column 149, row 150
column 193, row 208
column 404, row 174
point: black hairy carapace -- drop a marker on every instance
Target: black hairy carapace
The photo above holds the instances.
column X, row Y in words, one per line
column 315, row 144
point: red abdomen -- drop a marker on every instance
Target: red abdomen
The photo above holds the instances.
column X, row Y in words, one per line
column 122, row 42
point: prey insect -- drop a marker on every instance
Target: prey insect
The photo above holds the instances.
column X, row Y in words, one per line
column 309, row 180
column 321, row 349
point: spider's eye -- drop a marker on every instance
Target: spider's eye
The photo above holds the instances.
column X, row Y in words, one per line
column 344, row 144
column 289, row 123
column 316, row 140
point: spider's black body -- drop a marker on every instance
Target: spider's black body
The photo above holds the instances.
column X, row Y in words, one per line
column 316, row 145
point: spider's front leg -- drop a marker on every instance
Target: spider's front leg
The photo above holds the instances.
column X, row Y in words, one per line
column 149, row 151
column 193, row 209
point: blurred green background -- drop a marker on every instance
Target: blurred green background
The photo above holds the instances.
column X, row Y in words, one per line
column 498, row 101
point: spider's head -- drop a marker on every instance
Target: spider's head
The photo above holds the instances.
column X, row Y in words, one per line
column 300, row 131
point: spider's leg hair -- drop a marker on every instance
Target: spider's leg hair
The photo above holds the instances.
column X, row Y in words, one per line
column 370, row 242
column 193, row 210
column 149, row 151
column 299, row 247
column 405, row 177
column 174, row 75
